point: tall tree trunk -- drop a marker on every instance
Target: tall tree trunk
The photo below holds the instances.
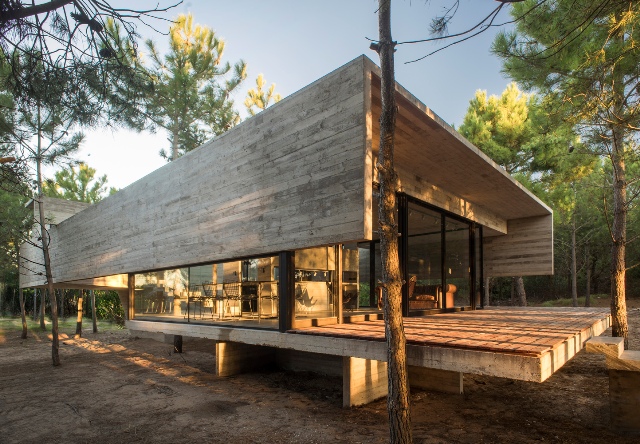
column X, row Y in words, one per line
column 41, row 313
column 79, row 317
column 35, row 304
column 574, row 267
column 619, row 325
column 618, row 246
column 93, row 311
column 23, row 314
column 398, row 397
column 487, row 292
column 55, row 343
column 175, row 137
column 587, row 292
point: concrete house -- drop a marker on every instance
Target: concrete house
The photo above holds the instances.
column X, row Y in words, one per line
column 264, row 239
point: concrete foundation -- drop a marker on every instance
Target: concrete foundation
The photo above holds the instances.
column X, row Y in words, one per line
column 363, row 381
column 233, row 358
column 436, row 380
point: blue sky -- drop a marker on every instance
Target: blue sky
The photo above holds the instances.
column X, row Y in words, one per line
column 295, row 42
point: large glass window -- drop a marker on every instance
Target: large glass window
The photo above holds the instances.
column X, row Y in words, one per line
column 424, row 259
column 315, row 283
column 457, row 263
column 243, row 292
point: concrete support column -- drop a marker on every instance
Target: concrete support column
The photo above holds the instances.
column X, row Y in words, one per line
column 363, row 381
column 234, row 357
column 436, row 380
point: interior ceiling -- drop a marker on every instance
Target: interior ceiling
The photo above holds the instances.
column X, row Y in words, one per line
column 433, row 151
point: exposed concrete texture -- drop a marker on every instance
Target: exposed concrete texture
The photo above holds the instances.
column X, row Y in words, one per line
column 363, row 381
column 436, row 380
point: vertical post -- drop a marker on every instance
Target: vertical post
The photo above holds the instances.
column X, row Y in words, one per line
column 286, row 286
column 373, row 294
column 443, row 261
column 338, row 294
column 403, row 247
column 130, row 309
column 472, row 263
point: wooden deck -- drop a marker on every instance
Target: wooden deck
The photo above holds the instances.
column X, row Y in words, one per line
column 523, row 331
column 527, row 344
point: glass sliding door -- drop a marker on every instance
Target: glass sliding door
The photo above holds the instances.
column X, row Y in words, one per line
column 457, row 265
column 424, row 258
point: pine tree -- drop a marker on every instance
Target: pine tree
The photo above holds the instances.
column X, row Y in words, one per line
column 584, row 56
column 258, row 98
column 191, row 87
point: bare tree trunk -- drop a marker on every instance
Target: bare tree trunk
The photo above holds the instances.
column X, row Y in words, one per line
column 574, row 266
column 79, row 317
column 93, row 311
column 55, row 343
column 43, row 326
column 35, row 304
column 174, row 144
column 518, row 295
column 619, row 327
column 587, row 293
column 487, row 292
column 398, row 397
column 23, row 314
column 618, row 246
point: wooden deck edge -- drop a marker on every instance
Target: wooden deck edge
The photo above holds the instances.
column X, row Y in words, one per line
column 555, row 358
column 524, row 368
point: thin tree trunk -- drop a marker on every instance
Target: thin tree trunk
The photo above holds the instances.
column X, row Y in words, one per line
column 55, row 343
column 518, row 295
column 23, row 314
column 79, row 317
column 487, row 292
column 574, row 267
column 398, row 397
column 43, row 326
column 35, row 304
column 175, row 137
column 93, row 311
column 587, row 293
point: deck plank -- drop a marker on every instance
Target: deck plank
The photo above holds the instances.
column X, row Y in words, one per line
column 531, row 331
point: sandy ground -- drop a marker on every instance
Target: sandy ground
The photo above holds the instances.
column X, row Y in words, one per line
column 114, row 388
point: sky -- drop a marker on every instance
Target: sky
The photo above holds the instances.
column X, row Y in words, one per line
column 295, row 42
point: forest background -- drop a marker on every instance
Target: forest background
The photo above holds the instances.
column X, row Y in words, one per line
column 564, row 168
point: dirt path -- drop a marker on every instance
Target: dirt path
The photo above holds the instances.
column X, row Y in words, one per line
column 112, row 388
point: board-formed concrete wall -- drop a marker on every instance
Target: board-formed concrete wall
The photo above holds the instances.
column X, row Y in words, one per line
column 526, row 249
column 285, row 179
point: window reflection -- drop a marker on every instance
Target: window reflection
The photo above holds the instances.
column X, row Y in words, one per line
column 424, row 259
column 315, row 282
column 243, row 292
column 457, row 264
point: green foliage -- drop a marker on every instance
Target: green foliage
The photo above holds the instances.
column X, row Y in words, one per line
column 258, row 98
column 79, row 184
column 583, row 57
column 108, row 307
column 514, row 130
column 191, row 87
column 364, row 294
